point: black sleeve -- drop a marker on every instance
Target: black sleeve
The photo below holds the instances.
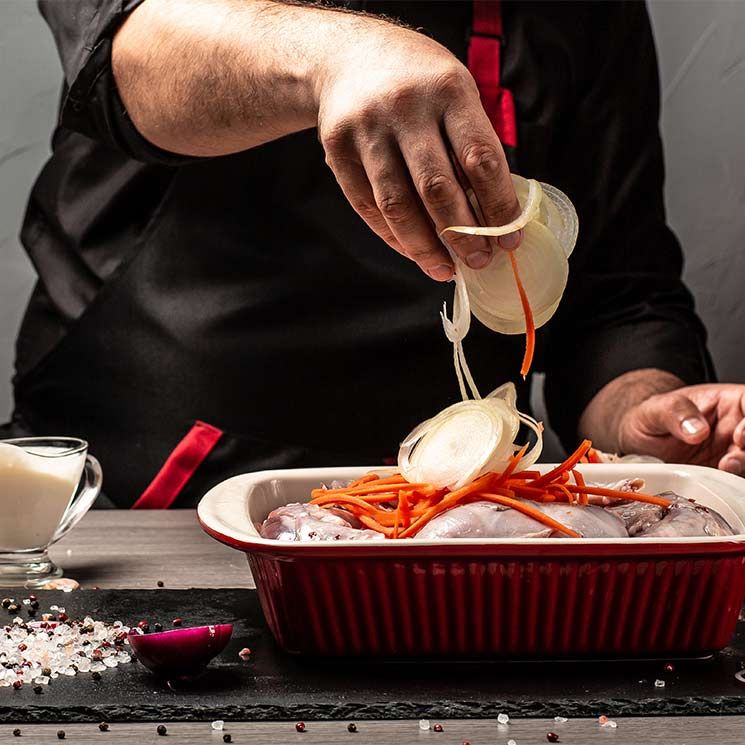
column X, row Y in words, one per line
column 83, row 31
column 625, row 306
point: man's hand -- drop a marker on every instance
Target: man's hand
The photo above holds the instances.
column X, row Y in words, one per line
column 651, row 412
column 402, row 124
column 701, row 424
column 398, row 115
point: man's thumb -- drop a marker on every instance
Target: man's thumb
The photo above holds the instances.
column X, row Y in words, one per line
column 683, row 419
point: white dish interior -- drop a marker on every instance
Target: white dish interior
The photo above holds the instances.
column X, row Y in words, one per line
column 235, row 507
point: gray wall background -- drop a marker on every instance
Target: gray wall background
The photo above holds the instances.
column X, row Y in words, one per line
column 701, row 46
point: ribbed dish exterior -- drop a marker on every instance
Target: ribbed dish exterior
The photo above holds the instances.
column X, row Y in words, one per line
column 614, row 604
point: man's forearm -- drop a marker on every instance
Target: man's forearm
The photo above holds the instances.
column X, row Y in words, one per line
column 213, row 77
column 602, row 417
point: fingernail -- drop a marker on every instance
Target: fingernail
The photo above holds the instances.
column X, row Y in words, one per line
column 478, row 260
column 732, row 466
column 692, row 426
column 510, row 241
column 441, row 272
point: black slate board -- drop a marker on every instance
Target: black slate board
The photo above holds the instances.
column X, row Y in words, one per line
column 275, row 686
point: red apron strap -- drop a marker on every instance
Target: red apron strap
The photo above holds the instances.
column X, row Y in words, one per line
column 179, row 467
column 484, row 60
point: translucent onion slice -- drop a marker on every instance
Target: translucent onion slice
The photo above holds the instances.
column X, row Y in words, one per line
column 467, row 440
column 530, row 209
column 544, row 271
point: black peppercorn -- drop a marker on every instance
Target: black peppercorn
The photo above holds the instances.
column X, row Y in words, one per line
column 162, row 730
column 161, row 583
column 46, row 672
column 103, row 727
column 351, row 727
column 227, row 738
column 177, row 621
column 552, row 737
column 60, row 734
column 158, row 627
column 38, row 690
column 13, row 608
column 31, row 611
column 16, row 732
column 96, row 675
column 144, row 625
column 6, row 602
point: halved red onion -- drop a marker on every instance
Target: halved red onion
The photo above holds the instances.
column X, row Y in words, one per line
column 180, row 653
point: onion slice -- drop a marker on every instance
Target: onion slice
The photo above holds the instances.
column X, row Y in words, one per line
column 467, row 440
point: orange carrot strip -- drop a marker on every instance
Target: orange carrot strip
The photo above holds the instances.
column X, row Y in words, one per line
column 511, row 466
column 529, row 323
column 618, row 494
column 374, row 525
column 526, row 474
column 366, row 479
column 563, row 489
column 377, row 488
column 533, row 512
column 345, row 499
column 567, row 465
column 580, row 481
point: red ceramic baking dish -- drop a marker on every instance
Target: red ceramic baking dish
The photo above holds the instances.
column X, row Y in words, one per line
column 527, row 598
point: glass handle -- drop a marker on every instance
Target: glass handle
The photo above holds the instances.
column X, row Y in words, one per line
column 83, row 499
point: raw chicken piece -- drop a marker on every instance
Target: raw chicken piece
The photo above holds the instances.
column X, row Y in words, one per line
column 309, row 522
column 685, row 518
column 637, row 516
column 588, row 520
column 483, row 520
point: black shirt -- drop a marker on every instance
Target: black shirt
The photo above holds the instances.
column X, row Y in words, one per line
column 245, row 291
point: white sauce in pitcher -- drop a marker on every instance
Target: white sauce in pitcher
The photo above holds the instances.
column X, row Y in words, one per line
column 35, row 490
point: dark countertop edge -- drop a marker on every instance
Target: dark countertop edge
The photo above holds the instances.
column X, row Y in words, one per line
column 187, row 712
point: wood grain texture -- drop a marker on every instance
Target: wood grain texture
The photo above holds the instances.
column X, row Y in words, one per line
column 134, row 549
column 636, row 731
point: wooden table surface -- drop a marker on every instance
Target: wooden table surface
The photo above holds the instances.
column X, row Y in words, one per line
column 134, row 550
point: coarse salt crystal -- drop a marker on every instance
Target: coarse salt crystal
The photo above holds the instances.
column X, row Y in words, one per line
column 218, row 725
column 610, row 723
column 560, row 720
column 424, row 724
column 511, row 742
column 659, row 683
column 503, row 718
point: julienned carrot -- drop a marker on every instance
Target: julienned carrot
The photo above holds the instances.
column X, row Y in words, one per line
column 566, row 466
column 512, row 465
column 533, row 512
column 399, row 509
column 529, row 323
column 634, row 496
column 580, row 481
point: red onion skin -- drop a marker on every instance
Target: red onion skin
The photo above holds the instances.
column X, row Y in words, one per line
column 180, row 653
